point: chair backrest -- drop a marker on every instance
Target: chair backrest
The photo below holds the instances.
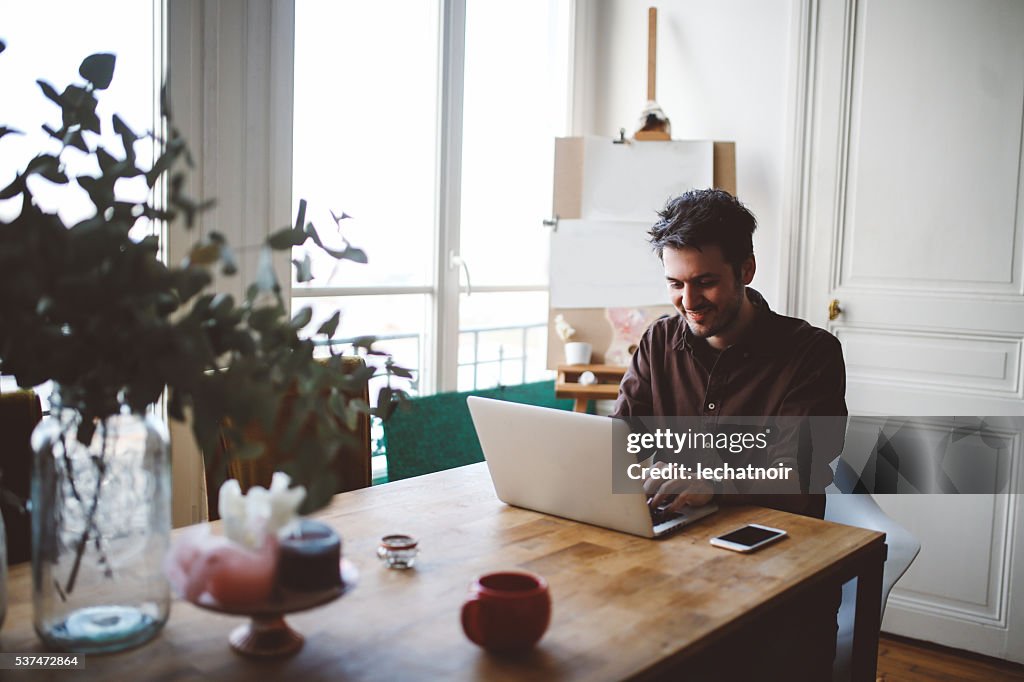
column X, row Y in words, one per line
column 436, row 432
column 351, row 465
column 20, row 411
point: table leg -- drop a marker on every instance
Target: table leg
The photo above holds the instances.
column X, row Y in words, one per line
column 868, row 616
column 580, row 405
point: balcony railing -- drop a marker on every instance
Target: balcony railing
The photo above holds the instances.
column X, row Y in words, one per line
column 523, row 358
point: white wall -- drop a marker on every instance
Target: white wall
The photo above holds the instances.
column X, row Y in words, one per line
column 723, row 73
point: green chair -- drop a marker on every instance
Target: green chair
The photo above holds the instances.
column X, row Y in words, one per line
column 436, row 432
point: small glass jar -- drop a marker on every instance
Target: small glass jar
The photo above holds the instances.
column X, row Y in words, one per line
column 398, row 551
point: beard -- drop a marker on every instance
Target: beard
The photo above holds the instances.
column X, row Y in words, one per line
column 719, row 318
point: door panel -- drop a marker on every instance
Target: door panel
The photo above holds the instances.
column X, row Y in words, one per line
column 913, row 221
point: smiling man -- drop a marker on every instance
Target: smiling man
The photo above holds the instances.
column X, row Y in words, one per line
column 727, row 354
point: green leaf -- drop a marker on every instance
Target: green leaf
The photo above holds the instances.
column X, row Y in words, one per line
column 399, row 371
column 190, row 281
column 54, row 175
column 385, row 403
column 47, row 166
column 300, row 219
column 334, row 253
column 4, row 130
column 355, row 255
column 13, row 189
column 3, row 46
column 98, row 69
column 222, row 305
column 161, row 165
column 301, row 319
column 329, row 327
column 50, row 93
column 123, row 130
column 74, row 138
column 263, row 319
column 285, row 238
column 53, row 133
column 79, row 107
column 303, row 269
column 105, row 160
column 101, row 190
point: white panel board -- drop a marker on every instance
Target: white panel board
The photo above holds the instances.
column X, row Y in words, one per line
column 631, row 182
column 950, row 528
column 990, row 364
column 935, row 146
column 604, row 264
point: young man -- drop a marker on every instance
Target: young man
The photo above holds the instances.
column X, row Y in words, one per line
column 727, row 354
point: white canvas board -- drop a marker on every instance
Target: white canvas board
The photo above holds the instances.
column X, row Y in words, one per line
column 627, row 182
column 604, row 264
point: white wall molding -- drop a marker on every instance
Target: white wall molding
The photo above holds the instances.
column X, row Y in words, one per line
column 799, row 141
column 230, row 71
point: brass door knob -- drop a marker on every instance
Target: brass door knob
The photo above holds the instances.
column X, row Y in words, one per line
column 834, row 310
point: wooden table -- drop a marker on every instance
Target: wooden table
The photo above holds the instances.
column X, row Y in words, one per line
column 609, row 589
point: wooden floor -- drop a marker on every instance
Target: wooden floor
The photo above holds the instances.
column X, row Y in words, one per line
column 902, row 660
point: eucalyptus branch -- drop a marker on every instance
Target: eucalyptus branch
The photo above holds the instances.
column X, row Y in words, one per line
column 95, row 311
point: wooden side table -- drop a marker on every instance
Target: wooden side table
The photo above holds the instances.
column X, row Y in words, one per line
column 607, row 387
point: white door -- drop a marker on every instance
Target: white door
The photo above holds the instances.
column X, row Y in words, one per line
column 912, row 220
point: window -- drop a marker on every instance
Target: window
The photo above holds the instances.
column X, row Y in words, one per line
column 431, row 123
column 49, row 42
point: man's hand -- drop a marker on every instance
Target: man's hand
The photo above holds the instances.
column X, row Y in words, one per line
column 687, row 493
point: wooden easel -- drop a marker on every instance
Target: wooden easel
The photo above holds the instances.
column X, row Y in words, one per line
column 656, row 125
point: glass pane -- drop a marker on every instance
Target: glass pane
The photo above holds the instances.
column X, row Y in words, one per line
column 399, row 322
column 365, row 135
column 502, row 337
column 515, row 105
column 31, row 30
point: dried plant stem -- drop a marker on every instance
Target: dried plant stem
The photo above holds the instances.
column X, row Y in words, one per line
column 101, row 469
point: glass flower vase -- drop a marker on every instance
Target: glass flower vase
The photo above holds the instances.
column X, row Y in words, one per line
column 101, row 521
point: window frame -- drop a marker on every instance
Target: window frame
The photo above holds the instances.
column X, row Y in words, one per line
column 440, row 372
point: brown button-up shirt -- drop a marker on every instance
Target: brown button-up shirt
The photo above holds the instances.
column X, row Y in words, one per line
column 782, row 366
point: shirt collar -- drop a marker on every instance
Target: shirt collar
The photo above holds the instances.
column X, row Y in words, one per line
column 757, row 341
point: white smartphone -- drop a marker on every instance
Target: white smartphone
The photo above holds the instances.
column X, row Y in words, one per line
column 748, row 538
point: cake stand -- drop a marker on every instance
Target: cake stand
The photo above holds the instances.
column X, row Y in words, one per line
column 267, row 635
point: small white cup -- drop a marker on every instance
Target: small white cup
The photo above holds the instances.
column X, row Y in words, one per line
column 577, row 353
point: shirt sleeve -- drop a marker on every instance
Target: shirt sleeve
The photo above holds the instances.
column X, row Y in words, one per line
column 819, row 385
column 817, row 397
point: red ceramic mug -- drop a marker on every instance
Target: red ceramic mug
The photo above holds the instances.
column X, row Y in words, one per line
column 507, row 611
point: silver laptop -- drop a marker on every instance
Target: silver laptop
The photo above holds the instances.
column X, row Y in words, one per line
column 560, row 463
